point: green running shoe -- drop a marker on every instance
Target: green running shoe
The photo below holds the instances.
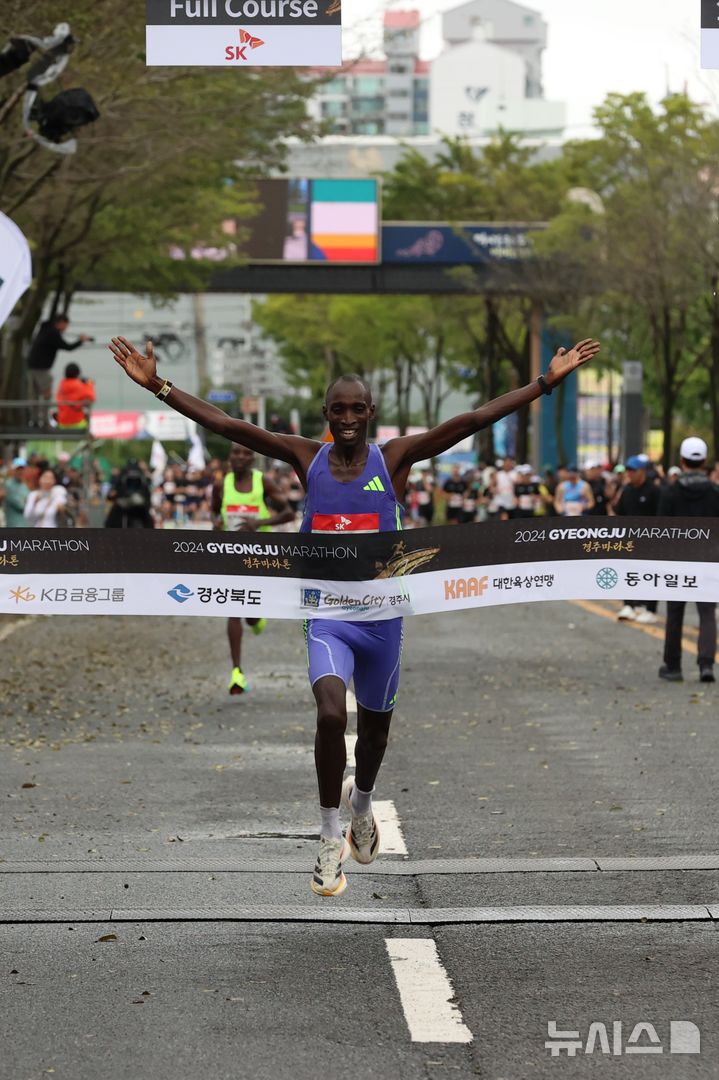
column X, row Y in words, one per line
column 258, row 627
column 238, row 683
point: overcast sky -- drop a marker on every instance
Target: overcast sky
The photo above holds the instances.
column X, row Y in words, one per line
column 594, row 47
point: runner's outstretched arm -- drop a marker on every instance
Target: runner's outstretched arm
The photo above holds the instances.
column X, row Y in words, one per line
column 293, row 449
column 408, row 449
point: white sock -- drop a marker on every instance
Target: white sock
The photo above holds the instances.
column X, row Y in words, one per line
column 360, row 801
column 330, row 828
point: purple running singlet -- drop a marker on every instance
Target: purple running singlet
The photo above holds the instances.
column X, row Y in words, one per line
column 369, row 651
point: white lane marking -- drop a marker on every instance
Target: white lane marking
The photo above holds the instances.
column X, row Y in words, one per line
column 391, row 839
column 351, row 739
column 4, row 634
column 426, row 992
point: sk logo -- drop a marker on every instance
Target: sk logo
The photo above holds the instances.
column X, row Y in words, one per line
column 343, row 523
column 22, row 593
column 239, row 52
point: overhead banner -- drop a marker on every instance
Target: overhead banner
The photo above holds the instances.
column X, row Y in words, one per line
column 346, row 576
column 452, row 245
column 244, row 33
column 15, row 266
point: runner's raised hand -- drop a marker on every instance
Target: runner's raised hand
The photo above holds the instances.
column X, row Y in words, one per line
column 141, row 369
column 564, row 362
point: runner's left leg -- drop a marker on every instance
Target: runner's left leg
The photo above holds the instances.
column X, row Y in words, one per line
column 331, row 662
column 372, row 737
column 378, row 655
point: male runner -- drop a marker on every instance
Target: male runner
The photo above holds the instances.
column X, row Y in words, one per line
column 363, row 484
column 240, row 504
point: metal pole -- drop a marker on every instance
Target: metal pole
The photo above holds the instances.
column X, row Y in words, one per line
column 535, row 370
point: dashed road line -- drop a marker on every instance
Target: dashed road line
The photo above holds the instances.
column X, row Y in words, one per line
column 426, row 992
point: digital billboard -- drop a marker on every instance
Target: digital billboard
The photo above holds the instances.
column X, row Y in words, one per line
column 315, row 221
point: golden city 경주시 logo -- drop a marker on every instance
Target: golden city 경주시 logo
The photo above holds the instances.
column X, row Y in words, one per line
column 460, row 588
column 22, row 594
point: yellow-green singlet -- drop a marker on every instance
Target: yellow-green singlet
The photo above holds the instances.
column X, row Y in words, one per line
column 241, row 506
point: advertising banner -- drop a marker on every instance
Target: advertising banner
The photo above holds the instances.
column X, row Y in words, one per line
column 315, row 221
column 351, row 577
column 244, row 33
column 450, row 245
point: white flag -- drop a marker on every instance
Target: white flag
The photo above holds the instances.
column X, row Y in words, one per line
column 196, row 457
column 15, row 266
column 158, row 461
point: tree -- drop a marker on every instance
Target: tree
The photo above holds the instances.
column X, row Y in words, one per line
column 502, row 182
column 164, row 165
column 647, row 261
column 399, row 344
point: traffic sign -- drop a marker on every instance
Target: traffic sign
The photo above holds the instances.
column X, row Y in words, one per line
column 222, row 396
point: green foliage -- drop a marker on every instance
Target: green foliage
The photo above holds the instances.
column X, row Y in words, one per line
column 169, row 159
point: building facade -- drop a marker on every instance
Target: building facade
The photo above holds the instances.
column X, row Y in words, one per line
column 380, row 97
column 488, row 76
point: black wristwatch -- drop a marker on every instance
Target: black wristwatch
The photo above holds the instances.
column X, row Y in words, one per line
column 544, row 385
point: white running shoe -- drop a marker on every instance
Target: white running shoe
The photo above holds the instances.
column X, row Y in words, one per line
column 328, row 878
column 627, row 614
column 648, row 618
column 363, row 830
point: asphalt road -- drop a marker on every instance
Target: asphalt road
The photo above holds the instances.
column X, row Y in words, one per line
column 556, row 800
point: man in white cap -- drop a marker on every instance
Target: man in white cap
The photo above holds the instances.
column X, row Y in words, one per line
column 693, row 495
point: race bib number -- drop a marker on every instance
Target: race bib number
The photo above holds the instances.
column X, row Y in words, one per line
column 238, row 516
column 367, row 523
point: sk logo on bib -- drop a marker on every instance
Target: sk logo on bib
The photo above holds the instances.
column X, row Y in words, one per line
column 345, row 523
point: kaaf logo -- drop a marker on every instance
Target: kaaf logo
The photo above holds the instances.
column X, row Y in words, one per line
column 239, row 52
column 459, row 588
column 180, row 593
column 22, row 594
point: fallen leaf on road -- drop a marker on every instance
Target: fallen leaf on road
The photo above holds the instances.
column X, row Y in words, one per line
column 107, row 937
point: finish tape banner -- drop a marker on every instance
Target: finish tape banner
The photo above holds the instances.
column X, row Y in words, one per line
column 244, row 33
column 356, row 577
